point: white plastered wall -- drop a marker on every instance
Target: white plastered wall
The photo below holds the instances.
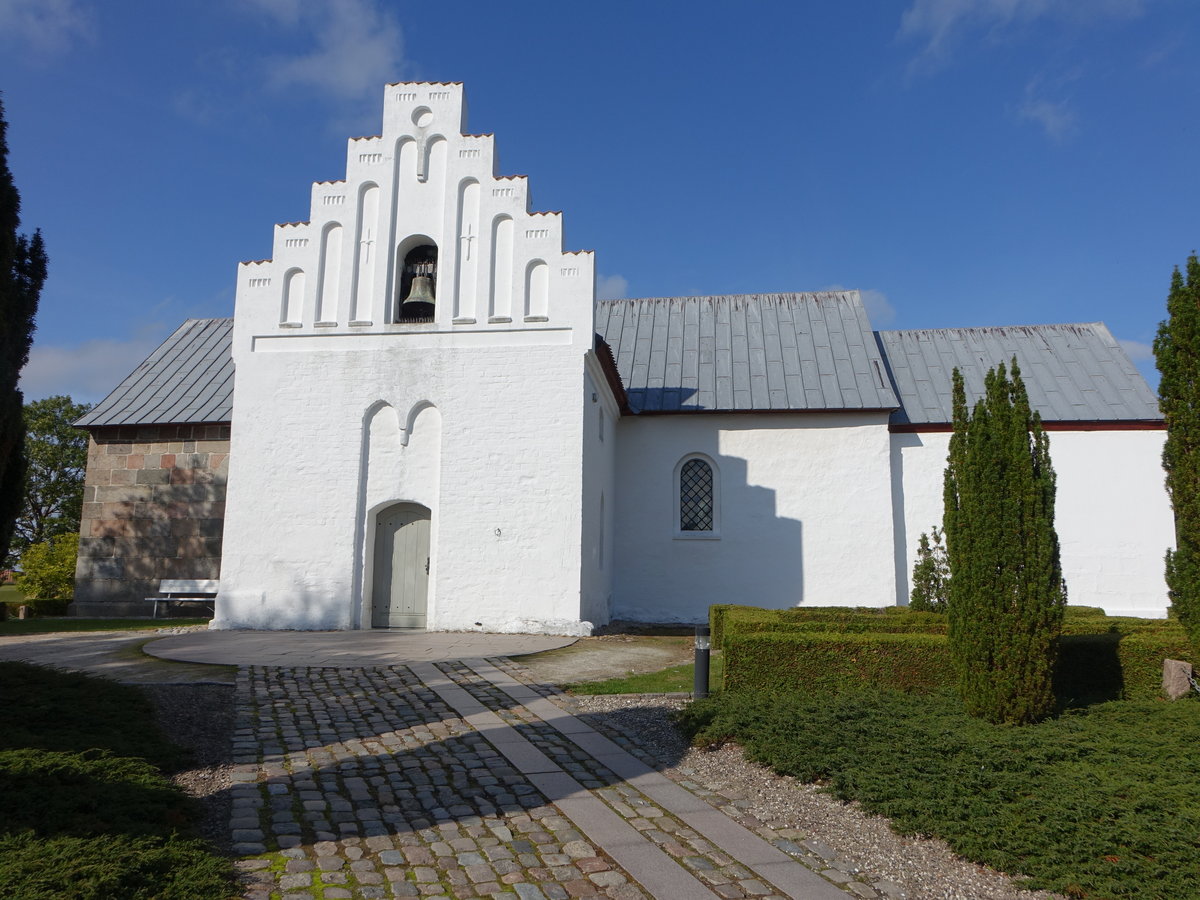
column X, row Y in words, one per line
column 804, row 514
column 599, row 494
column 1112, row 513
column 341, row 410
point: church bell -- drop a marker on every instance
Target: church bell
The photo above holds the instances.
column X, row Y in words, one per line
column 419, row 302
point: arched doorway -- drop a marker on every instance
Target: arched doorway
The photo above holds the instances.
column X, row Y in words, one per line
column 400, row 584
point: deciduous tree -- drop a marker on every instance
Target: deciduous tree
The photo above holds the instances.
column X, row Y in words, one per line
column 1006, row 593
column 56, row 455
column 1177, row 353
column 22, row 274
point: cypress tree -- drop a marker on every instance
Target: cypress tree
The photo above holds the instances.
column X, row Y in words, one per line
column 1006, row 592
column 22, row 273
column 1177, row 354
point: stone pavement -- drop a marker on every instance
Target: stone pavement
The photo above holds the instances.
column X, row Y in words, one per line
column 459, row 780
column 365, row 647
column 113, row 654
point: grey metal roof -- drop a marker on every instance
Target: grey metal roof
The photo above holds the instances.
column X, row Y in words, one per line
column 189, row 378
column 747, row 352
column 753, row 352
column 1071, row 372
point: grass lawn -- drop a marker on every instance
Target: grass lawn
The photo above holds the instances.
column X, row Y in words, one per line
column 70, row 623
column 1101, row 802
column 665, row 681
column 85, row 811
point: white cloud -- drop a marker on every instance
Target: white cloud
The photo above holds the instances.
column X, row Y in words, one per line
column 357, row 47
column 284, row 11
column 44, row 26
column 879, row 309
column 1057, row 119
column 1138, row 351
column 1055, row 116
column 87, row 371
column 611, row 287
column 941, row 25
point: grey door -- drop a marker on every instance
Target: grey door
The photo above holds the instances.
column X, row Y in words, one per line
column 401, row 578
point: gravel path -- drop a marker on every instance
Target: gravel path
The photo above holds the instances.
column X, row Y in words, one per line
column 200, row 717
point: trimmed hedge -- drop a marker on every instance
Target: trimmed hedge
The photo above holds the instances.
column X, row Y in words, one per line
column 820, row 662
column 729, row 618
column 834, row 649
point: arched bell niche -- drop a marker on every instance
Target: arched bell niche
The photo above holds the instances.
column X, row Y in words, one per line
column 417, row 296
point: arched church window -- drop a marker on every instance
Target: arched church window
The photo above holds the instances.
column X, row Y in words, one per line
column 697, row 506
column 418, row 284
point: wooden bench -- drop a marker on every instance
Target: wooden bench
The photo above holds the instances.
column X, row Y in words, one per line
column 187, row 590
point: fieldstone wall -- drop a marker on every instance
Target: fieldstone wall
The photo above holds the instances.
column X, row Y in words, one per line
column 153, row 508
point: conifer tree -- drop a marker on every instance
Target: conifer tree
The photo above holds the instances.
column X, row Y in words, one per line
column 22, row 273
column 1177, row 353
column 1006, row 592
column 930, row 575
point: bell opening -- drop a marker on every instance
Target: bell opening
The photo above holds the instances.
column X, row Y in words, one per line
column 418, row 284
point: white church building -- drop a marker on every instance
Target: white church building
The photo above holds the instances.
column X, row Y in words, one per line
column 420, row 416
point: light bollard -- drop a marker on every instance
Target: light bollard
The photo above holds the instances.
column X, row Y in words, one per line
column 700, row 676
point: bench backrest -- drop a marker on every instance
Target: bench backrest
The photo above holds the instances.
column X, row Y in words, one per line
column 189, row 585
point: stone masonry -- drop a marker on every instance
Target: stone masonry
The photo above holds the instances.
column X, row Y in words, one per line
column 153, row 508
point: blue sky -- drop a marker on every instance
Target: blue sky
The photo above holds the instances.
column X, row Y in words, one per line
column 962, row 162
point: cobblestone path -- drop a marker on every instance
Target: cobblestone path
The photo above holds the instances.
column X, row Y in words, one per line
column 459, row 780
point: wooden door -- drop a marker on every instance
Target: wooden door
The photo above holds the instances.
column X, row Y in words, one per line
column 401, row 577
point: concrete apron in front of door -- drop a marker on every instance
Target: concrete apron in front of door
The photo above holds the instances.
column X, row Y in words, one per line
column 457, row 780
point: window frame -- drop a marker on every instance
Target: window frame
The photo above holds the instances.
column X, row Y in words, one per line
column 714, row 534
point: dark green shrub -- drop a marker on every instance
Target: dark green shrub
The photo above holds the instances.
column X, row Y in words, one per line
column 105, row 867
column 1006, row 588
column 85, row 811
column 1099, row 803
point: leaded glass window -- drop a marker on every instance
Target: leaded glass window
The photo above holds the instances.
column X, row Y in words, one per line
column 696, row 496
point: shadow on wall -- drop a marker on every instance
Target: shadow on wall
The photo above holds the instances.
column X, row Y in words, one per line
column 302, row 610
column 900, row 443
column 754, row 556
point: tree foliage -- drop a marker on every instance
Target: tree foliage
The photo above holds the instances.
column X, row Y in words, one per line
column 1177, row 353
column 930, row 575
column 48, row 569
column 56, row 454
column 1006, row 594
column 22, row 274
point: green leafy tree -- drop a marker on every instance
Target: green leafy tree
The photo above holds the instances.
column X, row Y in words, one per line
column 930, row 575
column 48, row 569
column 56, row 454
column 22, row 274
column 1006, row 590
column 1177, row 353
